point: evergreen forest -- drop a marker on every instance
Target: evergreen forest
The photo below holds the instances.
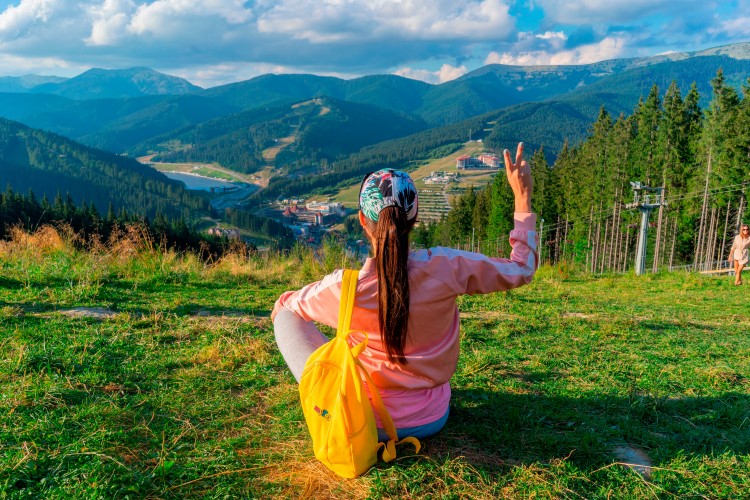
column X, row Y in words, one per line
column 700, row 157
column 91, row 230
column 86, row 182
column 47, row 163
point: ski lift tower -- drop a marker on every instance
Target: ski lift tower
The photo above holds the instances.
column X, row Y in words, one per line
column 645, row 199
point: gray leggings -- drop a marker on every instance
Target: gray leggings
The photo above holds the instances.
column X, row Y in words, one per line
column 297, row 339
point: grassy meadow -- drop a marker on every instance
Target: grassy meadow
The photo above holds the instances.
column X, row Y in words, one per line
column 132, row 372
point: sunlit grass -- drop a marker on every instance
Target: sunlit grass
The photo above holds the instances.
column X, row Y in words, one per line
column 178, row 390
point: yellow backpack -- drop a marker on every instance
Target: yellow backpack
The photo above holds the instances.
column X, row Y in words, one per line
column 338, row 412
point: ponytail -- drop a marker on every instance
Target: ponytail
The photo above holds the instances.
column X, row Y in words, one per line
column 391, row 242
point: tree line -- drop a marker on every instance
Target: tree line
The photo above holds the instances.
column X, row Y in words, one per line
column 395, row 153
column 30, row 213
column 701, row 157
column 48, row 163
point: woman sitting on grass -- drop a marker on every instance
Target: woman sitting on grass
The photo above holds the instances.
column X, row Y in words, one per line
column 406, row 302
column 739, row 253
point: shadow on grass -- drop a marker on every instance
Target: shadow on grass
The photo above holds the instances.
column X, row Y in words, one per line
column 33, row 283
column 202, row 310
column 28, row 307
column 9, row 282
column 497, row 430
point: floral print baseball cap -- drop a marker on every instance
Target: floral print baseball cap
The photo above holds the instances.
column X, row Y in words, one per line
column 388, row 188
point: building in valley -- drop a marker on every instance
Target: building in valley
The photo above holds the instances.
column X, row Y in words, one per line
column 485, row 161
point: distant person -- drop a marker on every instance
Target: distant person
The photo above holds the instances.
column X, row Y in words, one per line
column 406, row 302
column 739, row 253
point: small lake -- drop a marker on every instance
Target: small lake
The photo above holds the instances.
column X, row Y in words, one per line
column 198, row 182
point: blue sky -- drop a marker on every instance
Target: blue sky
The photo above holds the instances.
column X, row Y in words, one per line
column 211, row 42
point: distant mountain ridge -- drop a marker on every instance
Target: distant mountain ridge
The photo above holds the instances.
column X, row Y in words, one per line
column 139, row 81
column 26, row 82
column 480, row 91
column 98, row 83
column 542, row 105
column 738, row 51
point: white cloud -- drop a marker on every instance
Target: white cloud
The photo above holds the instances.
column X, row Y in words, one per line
column 608, row 48
column 734, row 28
column 446, row 73
column 15, row 66
column 551, row 35
column 109, row 21
column 328, row 21
column 164, row 18
column 418, row 74
column 17, row 20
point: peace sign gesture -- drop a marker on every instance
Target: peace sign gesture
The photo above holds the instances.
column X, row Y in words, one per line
column 519, row 178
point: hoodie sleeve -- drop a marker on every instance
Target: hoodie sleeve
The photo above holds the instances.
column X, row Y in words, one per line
column 471, row 273
column 317, row 301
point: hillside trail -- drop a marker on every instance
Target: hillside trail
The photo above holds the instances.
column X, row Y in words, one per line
column 269, row 155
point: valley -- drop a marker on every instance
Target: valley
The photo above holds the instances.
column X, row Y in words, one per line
column 247, row 145
column 179, row 194
column 227, row 187
column 434, row 197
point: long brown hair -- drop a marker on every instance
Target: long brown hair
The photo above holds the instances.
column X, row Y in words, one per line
column 391, row 245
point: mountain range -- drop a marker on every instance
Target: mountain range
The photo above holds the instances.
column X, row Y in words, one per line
column 117, row 109
column 98, row 83
column 325, row 119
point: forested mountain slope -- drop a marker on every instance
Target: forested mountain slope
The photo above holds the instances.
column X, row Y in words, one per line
column 387, row 91
column 311, row 131
column 49, row 164
column 116, row 125
column 699, row 156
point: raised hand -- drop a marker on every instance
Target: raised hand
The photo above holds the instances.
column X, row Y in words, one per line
column 519, row 178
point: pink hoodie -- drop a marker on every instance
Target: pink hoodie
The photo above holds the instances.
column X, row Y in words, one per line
column 418, row 392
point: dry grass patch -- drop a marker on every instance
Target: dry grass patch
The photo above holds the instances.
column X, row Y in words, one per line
column 228, row 353
column 43, row 241
column 302, row 476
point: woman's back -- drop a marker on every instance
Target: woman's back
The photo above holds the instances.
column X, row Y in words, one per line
column 406, row 303
column 436, row 278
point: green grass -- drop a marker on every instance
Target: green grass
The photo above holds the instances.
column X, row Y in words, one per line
column 214, row 173
column 180, row 392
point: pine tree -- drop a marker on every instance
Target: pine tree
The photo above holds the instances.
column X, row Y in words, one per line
column 480, row 215
column 460, row 218
column 500, row 219
column 719, row 134
column 110, row 213
column 645, row 146
column 541, row 202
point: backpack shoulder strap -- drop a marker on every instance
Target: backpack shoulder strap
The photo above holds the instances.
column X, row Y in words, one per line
column 389, row 448
column 346, row 305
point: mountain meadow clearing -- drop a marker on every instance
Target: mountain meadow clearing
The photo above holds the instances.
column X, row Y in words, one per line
column 129, row 371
